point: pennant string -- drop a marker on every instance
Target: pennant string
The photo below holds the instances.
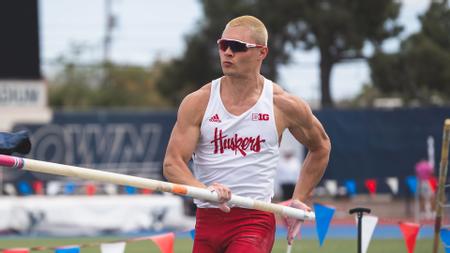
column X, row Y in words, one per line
column 88, row 245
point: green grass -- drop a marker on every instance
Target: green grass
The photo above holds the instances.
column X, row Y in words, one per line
column 183, row 245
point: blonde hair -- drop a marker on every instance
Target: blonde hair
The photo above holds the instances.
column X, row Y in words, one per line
column 259, row 31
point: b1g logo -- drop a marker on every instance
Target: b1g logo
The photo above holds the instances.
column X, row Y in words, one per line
column 260, row 116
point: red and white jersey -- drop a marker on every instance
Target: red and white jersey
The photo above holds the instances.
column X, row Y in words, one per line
column 239, row 151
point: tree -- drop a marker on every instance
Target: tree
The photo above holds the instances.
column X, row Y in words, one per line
column 78, row 85
column 420, row 71
column 338, row 28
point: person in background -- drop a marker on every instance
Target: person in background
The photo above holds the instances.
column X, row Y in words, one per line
column 425, row 173
column 289, row 167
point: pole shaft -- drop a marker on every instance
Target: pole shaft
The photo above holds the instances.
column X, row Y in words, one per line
column 139, row 182
column 440, row 197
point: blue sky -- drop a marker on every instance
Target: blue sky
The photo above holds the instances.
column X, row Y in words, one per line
column 148, row 30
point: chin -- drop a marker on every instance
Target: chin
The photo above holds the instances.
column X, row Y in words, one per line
column 229, row 73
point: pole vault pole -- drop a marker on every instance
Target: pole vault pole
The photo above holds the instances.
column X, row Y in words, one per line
column 440, row 196
column 155, row 185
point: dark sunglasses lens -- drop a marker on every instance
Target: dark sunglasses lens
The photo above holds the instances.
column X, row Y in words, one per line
column 235, row 46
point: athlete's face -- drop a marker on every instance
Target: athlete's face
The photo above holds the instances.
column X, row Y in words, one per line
column 240, row 63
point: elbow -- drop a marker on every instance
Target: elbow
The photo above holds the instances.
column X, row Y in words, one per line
column 323, row 150
column 327, row 146
column 168, row 170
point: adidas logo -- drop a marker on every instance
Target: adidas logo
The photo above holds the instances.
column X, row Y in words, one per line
column 215, row 118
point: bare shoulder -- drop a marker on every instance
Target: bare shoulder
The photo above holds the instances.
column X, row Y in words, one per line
column 292, row 109
column 194, row 104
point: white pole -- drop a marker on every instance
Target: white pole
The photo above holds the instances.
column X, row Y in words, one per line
column 430, row 150
column 289, row 248
column 139, row 182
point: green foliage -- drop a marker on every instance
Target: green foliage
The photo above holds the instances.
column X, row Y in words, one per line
column 420, row 71
column 338, row 28
column 104, row 85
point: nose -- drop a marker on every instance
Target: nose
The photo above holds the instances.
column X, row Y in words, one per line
column 228, row 51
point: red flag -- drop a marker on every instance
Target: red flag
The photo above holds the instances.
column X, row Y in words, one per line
column 410, row 231
column 90, row 189
column 164, row 242
column 38, row 187
column 433, row 183
column 16, row 250
column 371, row 185
column 146, row 191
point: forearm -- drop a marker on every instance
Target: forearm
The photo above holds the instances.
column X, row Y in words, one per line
column 179, row 173
column 312, row 171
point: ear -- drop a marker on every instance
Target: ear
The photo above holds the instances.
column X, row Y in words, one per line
column 263, row 53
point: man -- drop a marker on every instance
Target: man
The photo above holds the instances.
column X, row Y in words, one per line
column 232, row 127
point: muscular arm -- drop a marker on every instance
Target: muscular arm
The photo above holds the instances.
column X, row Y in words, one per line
column 296, row 115
column 184, row 138
column 182, row 144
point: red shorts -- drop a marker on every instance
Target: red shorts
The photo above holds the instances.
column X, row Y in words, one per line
column 240, row 230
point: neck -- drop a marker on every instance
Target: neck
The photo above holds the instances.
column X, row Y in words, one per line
column 240, row 87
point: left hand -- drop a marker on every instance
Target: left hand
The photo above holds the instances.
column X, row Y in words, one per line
column 294, row 224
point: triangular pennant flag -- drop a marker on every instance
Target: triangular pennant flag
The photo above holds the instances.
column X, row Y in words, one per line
column 411, row 181
column 130, row 189
column 110, row 189
column 69, row 188
column 10, row 189
column 433, row 183
column 371, row 185
column 90, row 189
column 324, row 215
column 38, row 187
column 25, row 188
column 118, row 247
column 392, row 182
column 368, row 224
column 164, row 242
column 331, row 186
column 16, row 250
column 192, row 233
column 68, row 249
column 146, row 191
column 445, row 238
column 53, row 188
column 351, row 187
column 410, row 231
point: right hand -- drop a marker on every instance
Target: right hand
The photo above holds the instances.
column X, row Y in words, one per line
column 294, row 224
column 224, row 194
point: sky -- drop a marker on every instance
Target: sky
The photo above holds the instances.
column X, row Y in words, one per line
column 149, row 30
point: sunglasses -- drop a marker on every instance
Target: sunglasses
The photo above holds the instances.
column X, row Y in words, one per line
column 236, row 45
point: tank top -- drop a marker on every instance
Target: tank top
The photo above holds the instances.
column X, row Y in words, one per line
column 239, row 151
